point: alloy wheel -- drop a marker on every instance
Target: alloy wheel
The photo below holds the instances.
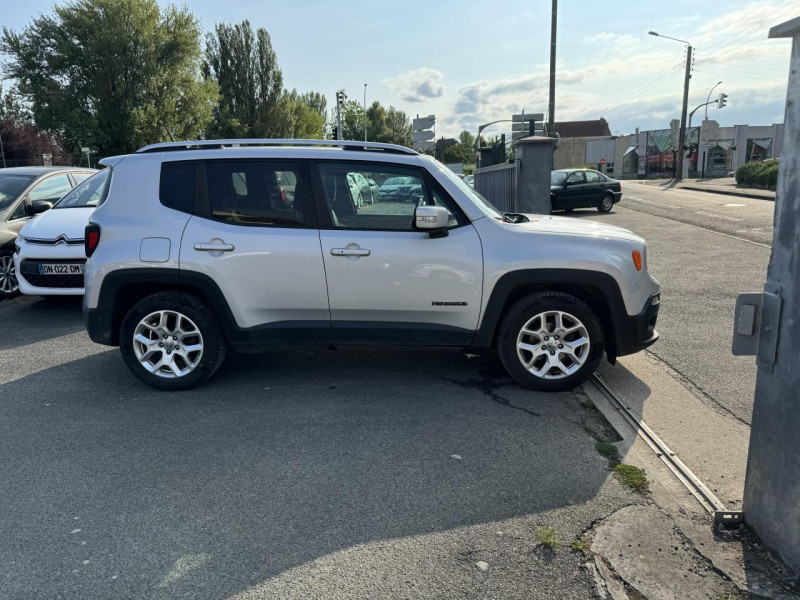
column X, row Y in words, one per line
column 8, row 275
column 168, row 344
column 553, row 345
column 608, row 203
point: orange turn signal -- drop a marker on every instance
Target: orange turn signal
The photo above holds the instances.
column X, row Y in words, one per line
column 637, row 259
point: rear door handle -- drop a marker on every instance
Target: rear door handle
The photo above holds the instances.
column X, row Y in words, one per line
column 207, row 247
column 350, row 252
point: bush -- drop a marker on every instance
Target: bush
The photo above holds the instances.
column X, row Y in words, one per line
column 762, row 173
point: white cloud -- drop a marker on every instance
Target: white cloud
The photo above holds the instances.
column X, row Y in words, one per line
column 418, row 85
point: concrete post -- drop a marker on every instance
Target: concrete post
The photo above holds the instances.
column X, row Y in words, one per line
column 535, row 155
column 772, row 483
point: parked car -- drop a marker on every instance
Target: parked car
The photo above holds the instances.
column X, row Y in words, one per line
column 583, row 188
column 176, row 273
column 397, row 188
column 470, row 180
column 25, row 192
column 50, row 257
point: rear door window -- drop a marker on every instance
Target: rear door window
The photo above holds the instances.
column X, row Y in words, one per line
column 257, row 192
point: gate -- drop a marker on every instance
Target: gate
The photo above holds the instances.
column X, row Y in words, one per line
column 498, row 184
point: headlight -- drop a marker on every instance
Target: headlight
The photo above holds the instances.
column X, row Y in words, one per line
column 17, row 244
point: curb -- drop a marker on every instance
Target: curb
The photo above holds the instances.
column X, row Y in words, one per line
column 727, row 193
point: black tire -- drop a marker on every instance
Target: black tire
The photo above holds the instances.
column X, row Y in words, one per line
column 529, row 307
column 606, row 204
column 213, row 339
column 8, row 276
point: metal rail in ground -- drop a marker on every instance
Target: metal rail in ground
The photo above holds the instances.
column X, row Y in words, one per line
column 684, row 474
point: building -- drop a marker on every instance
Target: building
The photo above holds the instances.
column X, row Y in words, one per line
column 584, row 143
column 716, row 151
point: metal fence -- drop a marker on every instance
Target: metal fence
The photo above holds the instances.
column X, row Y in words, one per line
column 498, row 184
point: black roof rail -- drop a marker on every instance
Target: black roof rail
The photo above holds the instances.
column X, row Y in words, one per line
column 210, row 144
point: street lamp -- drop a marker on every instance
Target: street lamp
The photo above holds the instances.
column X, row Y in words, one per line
column 684, row 107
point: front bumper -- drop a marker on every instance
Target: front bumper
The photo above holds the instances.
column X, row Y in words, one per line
column 35, row 284
column 634, row 334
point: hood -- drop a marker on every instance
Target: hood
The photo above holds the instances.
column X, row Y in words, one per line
column 549, row 224
column 70, row 222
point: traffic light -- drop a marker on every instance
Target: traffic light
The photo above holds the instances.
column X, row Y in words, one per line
column 340, row 97
column 722, row 100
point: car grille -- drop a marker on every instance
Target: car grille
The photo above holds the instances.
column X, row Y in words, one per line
column 29, row 269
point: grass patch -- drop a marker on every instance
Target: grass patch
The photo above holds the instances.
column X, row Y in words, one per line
column 579, row 546
column 632, row 477
column 546, row 536
column 609, row 452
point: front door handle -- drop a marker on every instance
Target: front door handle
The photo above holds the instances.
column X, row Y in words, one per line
column 208, row 247
column 350, row 252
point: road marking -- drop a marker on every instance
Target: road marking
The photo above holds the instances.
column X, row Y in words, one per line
column 734, row 205
column 735, row 237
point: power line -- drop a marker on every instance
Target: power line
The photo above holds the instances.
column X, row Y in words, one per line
column 633, row 91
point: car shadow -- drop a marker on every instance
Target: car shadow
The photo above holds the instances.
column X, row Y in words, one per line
column 280, row 459
column 53, row 317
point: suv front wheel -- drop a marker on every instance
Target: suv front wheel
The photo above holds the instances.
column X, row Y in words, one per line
column 550, row 341
column 172, row 341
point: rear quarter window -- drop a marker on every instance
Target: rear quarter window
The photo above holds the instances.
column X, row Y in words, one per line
column 176, row 189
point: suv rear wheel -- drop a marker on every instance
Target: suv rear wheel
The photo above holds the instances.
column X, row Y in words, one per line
column 172, row 341
column 550, row 341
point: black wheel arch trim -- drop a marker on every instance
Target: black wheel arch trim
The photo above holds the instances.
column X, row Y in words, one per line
column 624, row 334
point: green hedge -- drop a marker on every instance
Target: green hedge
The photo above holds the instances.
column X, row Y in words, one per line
column 762, row 173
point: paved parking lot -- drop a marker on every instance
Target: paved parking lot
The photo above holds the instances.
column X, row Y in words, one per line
column 350, row 473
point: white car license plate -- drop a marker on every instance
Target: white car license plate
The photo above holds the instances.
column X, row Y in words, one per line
column 56, row 269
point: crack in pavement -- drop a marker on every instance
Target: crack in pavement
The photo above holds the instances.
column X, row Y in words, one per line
column 488, row 387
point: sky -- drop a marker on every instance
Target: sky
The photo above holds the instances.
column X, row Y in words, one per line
column 470, row 62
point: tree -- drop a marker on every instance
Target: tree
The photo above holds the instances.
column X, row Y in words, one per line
column 24, row 145
column 389, row 126
column 11, row 106
column 115, row 74
column 307, row 122
column 464, row 151
column 252, row 101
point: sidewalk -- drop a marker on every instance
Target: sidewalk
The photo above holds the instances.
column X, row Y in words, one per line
column 668, row 548
column 722, row 185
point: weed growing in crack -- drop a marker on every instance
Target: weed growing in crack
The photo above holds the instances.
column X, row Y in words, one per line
column 609, row 452
column 546, row 536
column 633, row 478
column 579, row 546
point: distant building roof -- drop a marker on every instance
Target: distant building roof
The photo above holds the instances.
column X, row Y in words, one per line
column 573, row 129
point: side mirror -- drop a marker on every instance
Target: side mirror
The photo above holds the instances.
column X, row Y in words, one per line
column 433, row 219
column 39, row 206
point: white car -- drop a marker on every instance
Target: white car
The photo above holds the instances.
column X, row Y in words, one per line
column 185, row 263
column 49, row 255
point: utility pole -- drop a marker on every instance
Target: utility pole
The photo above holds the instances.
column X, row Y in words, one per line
column 768, row 325
column 551, row 107
column 682, row 135
column 685, row 106
column 365, row 112
column 2, row 151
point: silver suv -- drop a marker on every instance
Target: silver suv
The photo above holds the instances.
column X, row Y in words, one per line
column 201, row 247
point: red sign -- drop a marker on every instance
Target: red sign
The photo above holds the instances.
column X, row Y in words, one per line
column 602, row 161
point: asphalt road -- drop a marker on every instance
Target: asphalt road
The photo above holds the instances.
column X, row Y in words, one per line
column 358, row 473
column 705, row 249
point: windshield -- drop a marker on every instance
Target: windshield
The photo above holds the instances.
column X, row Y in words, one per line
column 11, row 186
column 470, row 191
column 557, row 177
column 396, row 181
column 88, row 193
